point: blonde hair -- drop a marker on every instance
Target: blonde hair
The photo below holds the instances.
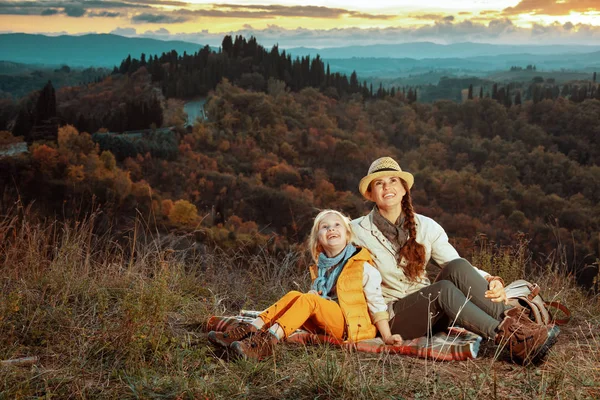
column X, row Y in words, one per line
column 313, row 240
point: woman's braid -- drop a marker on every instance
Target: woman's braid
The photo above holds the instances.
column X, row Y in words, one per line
column 412, row 251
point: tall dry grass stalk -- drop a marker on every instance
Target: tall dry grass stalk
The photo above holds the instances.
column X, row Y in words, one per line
column 119, row 315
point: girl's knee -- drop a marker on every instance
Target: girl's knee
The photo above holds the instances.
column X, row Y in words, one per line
column 311, row 300
column 310, row 297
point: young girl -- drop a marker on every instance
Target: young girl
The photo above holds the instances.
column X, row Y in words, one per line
column 345, row 300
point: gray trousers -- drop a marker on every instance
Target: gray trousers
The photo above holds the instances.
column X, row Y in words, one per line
column 457, row 297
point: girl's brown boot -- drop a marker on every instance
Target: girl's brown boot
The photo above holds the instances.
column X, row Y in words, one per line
column 235, row 333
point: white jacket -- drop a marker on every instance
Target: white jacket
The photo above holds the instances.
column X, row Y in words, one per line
column 395, row 285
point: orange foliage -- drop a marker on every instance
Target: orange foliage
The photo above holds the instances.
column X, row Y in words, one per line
column 47, row 158
column 141, row 189
column 166, row 207
column 183, row 212
column 75, row 173
column 281, row 174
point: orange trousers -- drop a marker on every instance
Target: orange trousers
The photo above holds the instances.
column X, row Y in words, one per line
column 308, row 311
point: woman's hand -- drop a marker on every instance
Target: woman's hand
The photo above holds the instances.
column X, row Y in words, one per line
column 496, row 292
column 312, row 291
column 393, row 339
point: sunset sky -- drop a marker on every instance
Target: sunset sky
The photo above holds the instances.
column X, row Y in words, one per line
column 315, row 23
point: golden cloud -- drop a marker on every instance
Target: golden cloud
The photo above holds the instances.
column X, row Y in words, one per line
column 552, row 7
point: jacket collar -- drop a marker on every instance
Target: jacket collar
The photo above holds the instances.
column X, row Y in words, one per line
column 368, row 224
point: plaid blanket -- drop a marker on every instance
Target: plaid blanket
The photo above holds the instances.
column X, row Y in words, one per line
column 455, row 344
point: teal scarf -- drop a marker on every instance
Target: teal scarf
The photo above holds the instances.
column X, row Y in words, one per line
column 329, row 270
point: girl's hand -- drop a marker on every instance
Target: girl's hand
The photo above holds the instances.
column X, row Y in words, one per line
column 393, row 339
column 312, row 291
column 496, row 292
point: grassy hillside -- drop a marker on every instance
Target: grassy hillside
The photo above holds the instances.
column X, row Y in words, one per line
column 120, row 316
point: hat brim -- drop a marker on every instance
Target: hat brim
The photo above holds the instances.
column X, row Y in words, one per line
column 366, row 181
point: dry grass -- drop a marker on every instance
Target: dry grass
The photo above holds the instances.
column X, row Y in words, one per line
column 120, row 316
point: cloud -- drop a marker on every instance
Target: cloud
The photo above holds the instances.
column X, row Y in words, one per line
column 74, row 11
column 124, row 31
column 269, row 11
column 71, row 8
column 498, row 31
column 105, row 14
column 158, row 19
column 109, row 3
column 434, row 17
column 49, row 11
column 551, row 7
column 158, row 32
column 160, row 3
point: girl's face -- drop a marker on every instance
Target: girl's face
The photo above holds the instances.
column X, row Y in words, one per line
column 387, row 192
column 332, row 235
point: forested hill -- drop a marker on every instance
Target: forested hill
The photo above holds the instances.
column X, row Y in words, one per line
column 257, row 170
column 247, row 64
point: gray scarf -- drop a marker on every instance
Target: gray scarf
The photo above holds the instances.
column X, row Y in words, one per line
column 395, row 233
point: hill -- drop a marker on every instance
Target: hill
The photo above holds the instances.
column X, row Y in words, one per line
column 107, row 50
column 98, row 50
column 423, row 50
column 121, row 317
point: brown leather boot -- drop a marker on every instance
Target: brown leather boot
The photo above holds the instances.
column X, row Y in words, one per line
column 257, row 347
column 527, row 341
column 237, row 332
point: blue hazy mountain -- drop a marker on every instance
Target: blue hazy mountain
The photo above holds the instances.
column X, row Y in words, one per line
column 423, row 50
column 99, row 50
column 106, row 50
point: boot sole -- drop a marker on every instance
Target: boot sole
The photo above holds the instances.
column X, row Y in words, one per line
column 541, row 354
column 237, row 349
column 212, row 337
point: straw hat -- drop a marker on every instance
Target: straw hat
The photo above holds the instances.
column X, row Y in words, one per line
column 384, row 166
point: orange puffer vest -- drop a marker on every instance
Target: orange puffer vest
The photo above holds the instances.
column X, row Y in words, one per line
column 351, row 297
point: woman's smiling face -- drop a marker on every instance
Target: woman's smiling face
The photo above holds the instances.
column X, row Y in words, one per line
column 387, row 192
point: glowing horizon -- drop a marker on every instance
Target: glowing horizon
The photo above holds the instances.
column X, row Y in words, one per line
column 567, row 21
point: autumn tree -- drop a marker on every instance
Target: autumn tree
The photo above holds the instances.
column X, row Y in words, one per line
column 183, row 212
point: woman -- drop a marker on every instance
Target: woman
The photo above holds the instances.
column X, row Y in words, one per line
column 345, row 299
column 403, row 242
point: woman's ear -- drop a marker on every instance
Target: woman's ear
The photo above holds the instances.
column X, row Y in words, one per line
column 368, row 194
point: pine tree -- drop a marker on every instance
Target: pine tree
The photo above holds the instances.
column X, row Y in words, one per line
column 481, row 92
column 518, row 98
column 594, row 77
column 507, row 99
column 353, row 82
column 470, row 94
column 46, row 104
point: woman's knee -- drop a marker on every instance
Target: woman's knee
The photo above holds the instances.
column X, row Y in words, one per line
column 456, row 268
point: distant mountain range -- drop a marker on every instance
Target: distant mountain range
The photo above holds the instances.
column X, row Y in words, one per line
column 106, row 50
column 422, row 50
column 98, row 50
